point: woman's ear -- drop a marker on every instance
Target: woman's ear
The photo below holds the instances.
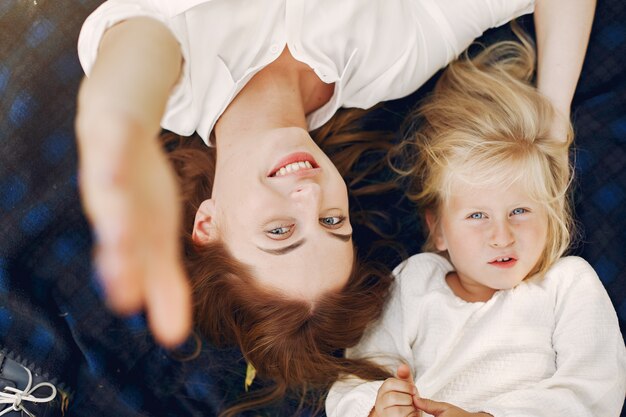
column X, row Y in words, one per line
column 204, row 227
column 434, row 227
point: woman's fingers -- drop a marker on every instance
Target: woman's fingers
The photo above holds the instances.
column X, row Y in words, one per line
column 118, row 274
column 140, row 275
column 116, row 260
column 168, row 302
column 130, row 195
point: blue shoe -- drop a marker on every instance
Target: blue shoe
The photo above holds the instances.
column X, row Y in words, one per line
column 24, row 393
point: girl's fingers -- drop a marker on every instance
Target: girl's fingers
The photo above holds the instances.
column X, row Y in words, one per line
column 401, row 412
column 399, row 385
column 394, row 398
column 404, row 372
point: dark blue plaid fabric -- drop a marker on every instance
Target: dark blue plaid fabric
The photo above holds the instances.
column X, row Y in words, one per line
column 52, row 316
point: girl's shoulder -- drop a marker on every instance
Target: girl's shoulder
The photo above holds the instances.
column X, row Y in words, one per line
column 422, row 272
column 571, row 266
column 569, row 272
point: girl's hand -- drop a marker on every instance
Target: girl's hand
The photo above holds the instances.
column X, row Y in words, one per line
column 395, row 396
column 441, row 409
column 130, row 196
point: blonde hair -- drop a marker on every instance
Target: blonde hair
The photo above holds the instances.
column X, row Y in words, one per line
column 486, row 124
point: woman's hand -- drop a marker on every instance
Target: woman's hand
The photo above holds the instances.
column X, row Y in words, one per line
column 128, row 188
column 441, row 409
column 130, row 195
column 395, row 396
column 563, row 28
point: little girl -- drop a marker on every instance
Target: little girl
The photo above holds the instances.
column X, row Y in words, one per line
column 491, row 320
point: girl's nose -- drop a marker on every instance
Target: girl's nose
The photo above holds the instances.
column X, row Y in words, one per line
column 502, row 235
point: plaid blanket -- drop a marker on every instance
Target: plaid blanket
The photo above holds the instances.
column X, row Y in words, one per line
column 52, row 315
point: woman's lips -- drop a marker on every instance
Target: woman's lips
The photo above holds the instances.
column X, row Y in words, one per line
column 294, row 163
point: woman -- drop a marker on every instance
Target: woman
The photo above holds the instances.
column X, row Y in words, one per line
column 252, row 80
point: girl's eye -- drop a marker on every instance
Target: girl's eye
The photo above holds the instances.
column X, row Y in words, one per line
column 476, row 216
column 519, row 211
column 280, row 233
column 332, row 222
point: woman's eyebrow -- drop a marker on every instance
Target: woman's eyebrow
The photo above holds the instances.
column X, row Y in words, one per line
column 284, row 250
column 295, row 245
column 342, row 237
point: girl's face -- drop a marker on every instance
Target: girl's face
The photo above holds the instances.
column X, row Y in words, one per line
column 281, row 207
column 494, row 236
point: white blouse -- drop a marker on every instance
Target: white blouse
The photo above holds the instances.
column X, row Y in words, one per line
column 550, row 347
column 373, row 50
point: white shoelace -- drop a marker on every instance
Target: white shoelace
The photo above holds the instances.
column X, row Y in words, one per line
column 16, row 397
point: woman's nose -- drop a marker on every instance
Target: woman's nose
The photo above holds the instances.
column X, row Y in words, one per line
column 502, row 235
column 307, row 196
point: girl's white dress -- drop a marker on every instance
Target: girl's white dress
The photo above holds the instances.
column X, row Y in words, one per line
column 549, row 347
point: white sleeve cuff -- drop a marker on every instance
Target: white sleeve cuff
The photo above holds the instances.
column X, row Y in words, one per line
column 350, row 399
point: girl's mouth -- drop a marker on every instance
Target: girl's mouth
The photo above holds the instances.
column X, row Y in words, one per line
column 503, row 262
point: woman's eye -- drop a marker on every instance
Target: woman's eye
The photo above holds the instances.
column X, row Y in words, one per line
column 476, row 216
column 332, row 222
column 280, row 233
column 518, row 211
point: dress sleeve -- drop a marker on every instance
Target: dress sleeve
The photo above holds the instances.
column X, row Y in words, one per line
column 112, row 12
column 424, row 37
column 590, row 377
column 460, row 22
column 387, row 342
column 105, row 16
column 382, row 343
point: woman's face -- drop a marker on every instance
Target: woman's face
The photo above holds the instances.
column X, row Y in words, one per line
column 281, row 207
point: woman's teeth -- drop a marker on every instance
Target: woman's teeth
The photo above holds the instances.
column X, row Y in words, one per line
column 503, row 259
column 293, row 167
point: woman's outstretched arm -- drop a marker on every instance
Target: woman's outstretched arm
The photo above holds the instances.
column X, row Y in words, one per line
column 128, row 188
column 562, row 29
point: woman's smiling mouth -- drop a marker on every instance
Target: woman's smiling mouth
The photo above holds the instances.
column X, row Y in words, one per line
column 295, row 162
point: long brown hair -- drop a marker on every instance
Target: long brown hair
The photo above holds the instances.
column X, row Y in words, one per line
column 294, row 344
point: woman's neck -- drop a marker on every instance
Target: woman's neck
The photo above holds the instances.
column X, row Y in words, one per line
column 280, row 95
